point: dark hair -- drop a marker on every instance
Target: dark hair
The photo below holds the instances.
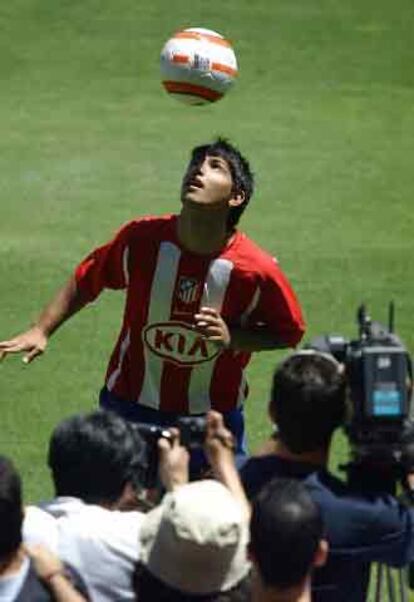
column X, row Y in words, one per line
column 285, row 530
column 308, row 400
column 11, row 512
column 92, row 457
column 149, row 588
column 243, row 179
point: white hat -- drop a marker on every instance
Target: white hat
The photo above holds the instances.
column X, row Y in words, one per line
column 195, row 540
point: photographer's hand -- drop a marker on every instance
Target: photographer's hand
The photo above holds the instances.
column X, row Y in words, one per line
column 174, row 461
column 219, row 448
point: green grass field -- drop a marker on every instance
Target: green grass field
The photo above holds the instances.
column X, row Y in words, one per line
column 323, row 108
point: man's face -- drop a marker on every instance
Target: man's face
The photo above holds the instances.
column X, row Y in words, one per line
column 208, row 183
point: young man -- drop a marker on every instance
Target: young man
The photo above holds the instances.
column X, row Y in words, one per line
column 200, row 297
column 286, row 542
column 362, row 524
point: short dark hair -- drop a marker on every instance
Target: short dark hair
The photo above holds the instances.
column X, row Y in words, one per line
column 93, row 456
column 243, row 179
column 149, row 588
column 11, row 511
column 285, row 530
column 308, row 400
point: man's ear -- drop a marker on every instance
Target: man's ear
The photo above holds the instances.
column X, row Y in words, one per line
column 128, row 498
column 249, row 553
column 321, row 553
column 272, row 412
column 238, row 199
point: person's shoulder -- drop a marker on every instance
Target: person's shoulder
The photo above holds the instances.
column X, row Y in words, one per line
column 257, row 471
column 331, row 491
column 39, row 527
column 327, row 484
column 251, row 255
column 94, row 521
column 248, row 246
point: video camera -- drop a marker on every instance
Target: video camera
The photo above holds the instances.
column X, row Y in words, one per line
column 378, row 369
column 192, row 435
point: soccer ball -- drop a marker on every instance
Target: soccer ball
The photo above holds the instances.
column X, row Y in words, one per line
column 198, row 66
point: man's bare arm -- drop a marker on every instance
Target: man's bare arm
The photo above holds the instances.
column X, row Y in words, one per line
column 33, row 341
column 219, row 448
column 212, row 326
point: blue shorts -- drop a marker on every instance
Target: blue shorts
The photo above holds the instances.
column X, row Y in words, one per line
column 234, row 421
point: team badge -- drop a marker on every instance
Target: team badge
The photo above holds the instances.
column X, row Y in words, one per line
column 188, row 289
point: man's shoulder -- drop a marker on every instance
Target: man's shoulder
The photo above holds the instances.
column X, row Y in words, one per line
column 246, row 245
column 354, row 510
column 81, row 517
column 89, row 527
column 40, row 527
column 251, row 256
column 259, row 470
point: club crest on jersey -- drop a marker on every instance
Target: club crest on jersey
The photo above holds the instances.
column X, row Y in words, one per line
column 179, row 343
column 187, row 290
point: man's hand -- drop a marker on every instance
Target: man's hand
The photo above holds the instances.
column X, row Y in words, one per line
column 219, row 443
column 219, row 448
column 173, row 462
column 212, row 326
column 33, row 343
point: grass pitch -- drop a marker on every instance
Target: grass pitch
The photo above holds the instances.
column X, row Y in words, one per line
column 323, row 108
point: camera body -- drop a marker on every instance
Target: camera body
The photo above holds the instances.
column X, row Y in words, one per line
column 378, row 371
column 192, row 435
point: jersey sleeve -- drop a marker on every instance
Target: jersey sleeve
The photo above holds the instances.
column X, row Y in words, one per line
column 278, row 307
column 105, row 267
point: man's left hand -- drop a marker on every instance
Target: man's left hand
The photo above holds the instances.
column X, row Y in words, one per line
column 212, row 326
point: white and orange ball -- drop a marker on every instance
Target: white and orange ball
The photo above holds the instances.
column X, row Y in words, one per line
column 198, row 66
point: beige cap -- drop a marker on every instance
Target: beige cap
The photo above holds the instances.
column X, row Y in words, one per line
column 195, row 540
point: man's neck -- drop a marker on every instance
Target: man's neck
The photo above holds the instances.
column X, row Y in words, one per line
column 319, row 457
column 202, row 232
column 300, row 593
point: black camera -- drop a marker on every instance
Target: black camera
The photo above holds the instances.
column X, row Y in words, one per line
column 192, row 431
column 192, row 435
column 379, row 375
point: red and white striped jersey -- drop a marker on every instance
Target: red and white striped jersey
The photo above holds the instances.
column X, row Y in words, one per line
column 159, row 360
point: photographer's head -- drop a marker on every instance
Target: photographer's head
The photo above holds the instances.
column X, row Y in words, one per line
column 286, row 537
column 11, row 513
column 193, row 547
column 308, row 400
column 94, row 457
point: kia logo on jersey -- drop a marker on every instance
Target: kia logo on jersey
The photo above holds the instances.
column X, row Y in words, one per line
column 178, row 342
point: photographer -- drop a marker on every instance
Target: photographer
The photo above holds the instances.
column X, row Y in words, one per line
column 96, row 460
column 308, row 403
column 193, row 545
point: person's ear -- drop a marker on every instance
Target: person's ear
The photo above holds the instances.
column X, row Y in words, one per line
column 127, row 499
column 272, row 413
column 249, row 553
column 321, row 553
column 238, row 199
